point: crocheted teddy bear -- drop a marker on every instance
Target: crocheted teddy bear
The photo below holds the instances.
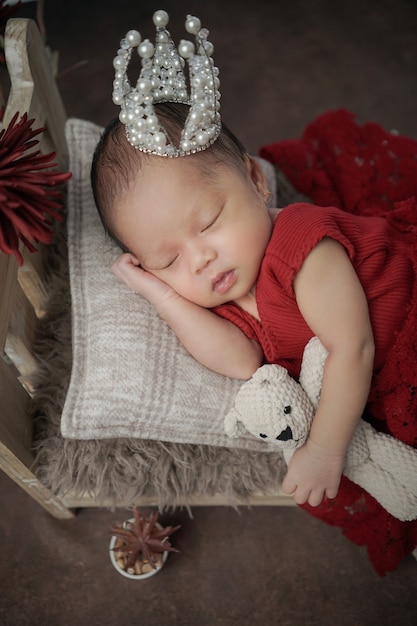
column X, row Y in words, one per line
column 274, row 407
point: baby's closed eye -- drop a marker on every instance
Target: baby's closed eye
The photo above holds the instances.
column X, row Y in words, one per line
column 211, row 221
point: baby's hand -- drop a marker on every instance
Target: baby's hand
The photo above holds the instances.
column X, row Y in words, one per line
column 312, row 475
column 126, row 267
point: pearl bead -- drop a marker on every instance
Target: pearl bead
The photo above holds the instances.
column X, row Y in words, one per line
column 199, row 81
column 144, row 85
column 160, row 18
column 118, row 63
column 145, row 50
column 192, row 24
column 208, row 48
column 159, row 139
column 117, row 98
column 133, row 38
column 201, row 138
column 122, row 116
column 152, row 122
column 162, row 37
column 185, row 145
column 136, row 140
column 195, row 116
column 186, row 49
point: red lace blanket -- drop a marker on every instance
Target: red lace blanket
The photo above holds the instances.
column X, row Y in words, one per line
column 365, row 170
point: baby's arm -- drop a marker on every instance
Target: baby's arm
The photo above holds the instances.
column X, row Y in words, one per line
column 333, row 303
column 213, row 341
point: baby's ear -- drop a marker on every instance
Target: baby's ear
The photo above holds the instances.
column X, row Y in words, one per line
column 256, row 173
column 233, row 424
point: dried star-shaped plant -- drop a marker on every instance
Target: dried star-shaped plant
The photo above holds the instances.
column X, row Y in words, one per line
column 143, row 540
column 26, row 206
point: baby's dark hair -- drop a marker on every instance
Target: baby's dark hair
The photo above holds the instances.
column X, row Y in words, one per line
column 116, row 163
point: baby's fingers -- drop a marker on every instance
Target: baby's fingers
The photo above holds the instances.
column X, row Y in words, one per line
column 302, row 494
column 288, row 485
column 316, row 497
column 123, row 264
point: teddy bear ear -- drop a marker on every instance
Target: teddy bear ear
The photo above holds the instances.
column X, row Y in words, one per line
column 269, row 373
column 233, row 424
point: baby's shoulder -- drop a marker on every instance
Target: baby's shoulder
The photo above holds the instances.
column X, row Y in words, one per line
column 297, row 229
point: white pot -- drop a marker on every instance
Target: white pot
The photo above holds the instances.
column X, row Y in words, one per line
column 123, row 572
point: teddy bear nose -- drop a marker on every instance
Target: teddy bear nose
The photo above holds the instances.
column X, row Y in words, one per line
column 286, row 434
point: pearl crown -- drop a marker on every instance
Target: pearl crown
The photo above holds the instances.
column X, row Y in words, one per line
column 162, row 79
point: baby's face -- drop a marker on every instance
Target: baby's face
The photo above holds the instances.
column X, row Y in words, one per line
column 202, row 233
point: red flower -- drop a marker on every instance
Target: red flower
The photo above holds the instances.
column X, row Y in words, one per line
column 26, row 207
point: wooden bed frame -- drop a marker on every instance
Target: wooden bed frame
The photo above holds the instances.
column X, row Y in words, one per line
column 23, row 293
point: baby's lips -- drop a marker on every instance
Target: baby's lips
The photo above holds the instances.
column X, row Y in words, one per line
column 224, row 281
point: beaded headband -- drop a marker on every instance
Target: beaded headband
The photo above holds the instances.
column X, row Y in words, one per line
column 162, row 79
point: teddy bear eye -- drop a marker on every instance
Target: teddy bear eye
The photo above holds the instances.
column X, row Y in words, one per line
column 263, row 436
column 287, row 410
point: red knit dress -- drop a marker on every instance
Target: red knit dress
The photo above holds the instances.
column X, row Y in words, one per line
column 364, row 171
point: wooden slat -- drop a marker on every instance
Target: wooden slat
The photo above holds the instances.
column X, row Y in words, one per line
column 22, row 327
column 8, row 282
column 15, row 422
column 277, row 498
column 20, row 338
column 31, row 279
column 16, row 458
column 33, row 88
column 23, row 360
column 26, row 479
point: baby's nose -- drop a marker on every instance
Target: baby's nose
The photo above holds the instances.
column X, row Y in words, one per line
column 202, row 257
